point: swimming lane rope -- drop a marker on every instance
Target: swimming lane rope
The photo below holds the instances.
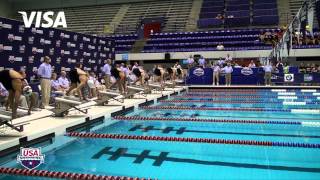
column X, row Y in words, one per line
column 215, row 108
column 134, row 118
column 61, row 175
column 225, row 101
column 192, row 140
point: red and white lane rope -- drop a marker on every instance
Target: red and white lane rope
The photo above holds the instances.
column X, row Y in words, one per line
column 62, row 175
column 193, row 140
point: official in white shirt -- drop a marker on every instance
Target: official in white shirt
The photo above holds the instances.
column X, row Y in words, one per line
column 107, row 73
column 267, row 74
column 228, row 70
column 216, row 73
column 202, row 62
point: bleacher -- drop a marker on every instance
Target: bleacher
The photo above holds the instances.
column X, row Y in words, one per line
column 123, row 42
column 232, row 40
column 238, row 13
column 176, row 13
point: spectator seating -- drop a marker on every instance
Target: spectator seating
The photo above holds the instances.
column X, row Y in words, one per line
column 209, row 12
column 176, row 12
column 265, row 12
column 238, row 13
column 247, row 39
column 124, row 43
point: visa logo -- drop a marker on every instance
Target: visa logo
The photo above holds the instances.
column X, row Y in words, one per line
column 46, row 16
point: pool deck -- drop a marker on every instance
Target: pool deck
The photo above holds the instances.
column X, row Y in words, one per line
column 42, row 124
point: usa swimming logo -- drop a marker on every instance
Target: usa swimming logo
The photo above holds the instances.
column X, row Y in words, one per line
column 30, row 158
column 198, row 72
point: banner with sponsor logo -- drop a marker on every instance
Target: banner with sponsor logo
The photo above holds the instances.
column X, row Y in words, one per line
column 20, row 46
column 288, row 77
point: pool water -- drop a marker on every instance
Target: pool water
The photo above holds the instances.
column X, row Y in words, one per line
column 189, row 160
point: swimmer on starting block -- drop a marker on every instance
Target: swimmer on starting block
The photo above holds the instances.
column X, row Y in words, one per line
column 78, row 79
column 12, row 81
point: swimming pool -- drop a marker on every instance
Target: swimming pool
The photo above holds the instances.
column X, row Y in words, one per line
column 201, row 134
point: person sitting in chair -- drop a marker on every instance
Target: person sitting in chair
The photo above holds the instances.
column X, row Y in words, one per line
column 63, row 81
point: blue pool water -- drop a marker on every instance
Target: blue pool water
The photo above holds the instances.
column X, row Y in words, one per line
column 186, row 160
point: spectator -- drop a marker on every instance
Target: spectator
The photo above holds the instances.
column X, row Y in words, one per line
column 279, row 65
column 228, row 59
column 55, row 85
column 219, row 16
column 63, row 81
column 286, row 68
column 314, row 68
column 190, row 61
column 228, row 70
column 302, row 68
column 252, row 64
column 221, row 62
column 44, row 73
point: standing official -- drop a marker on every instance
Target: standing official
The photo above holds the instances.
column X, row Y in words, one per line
column 267, row 74
column 44, row 73
column 107, row 73
column 216, row 74
column 228, row 70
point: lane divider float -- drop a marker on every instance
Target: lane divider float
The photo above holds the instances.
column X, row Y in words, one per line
column 142, row 118
column 61, row 175
column 235, row 102
column 193, row 140
column 247, row 95
column 308, row 90
column 215, row 108
column 244, row 97
column 305, row 111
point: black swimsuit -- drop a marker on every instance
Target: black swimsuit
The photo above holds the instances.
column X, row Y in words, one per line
column 170, row 71
column 157, row 72
column 74, row 76
column 179, row 71
column 115, row 73
column 6, row 79
column 136, row 72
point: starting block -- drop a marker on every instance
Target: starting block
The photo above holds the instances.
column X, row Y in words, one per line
column 5, row 119
column 64, row 104
column 106, row 96
column 138, row 90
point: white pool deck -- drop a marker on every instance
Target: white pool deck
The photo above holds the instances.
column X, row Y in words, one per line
column 41, row 123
